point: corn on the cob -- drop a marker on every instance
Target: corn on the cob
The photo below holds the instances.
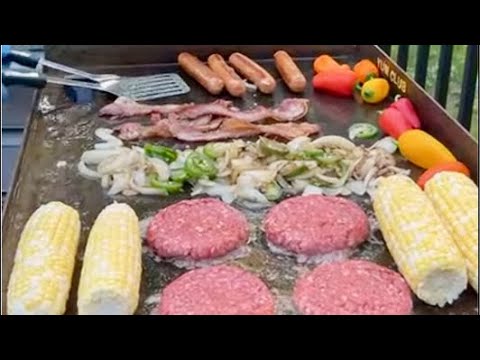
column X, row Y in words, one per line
column 421, row 246
column 110, row 277
column 44, row 261
column 455, row 197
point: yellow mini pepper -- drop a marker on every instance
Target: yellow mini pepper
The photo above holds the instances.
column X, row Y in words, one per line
column 423, row 150
column 375, row 91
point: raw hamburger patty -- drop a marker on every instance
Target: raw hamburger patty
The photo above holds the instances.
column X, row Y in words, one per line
column 197, row 229
column 217, row 290
column 353, row 287
column 315, row 224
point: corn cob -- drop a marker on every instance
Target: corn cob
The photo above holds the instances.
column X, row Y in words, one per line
column 44, row 261
column 110, row 277
column 421, row 246
column 455, row 197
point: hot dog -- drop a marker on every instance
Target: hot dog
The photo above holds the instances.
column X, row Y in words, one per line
column 290, row 72
column 201, row 73
column 253, row 72
column 233, row 83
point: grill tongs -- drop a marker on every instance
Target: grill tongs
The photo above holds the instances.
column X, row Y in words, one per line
column 140, row 88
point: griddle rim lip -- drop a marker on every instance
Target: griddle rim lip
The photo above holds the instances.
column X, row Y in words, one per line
column 20, row 156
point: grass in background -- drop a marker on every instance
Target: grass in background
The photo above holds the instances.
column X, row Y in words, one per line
column 456, row 77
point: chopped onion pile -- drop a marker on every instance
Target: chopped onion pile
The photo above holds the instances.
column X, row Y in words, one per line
column 251, row 173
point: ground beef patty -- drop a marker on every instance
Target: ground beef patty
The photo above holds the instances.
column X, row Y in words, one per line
column 352, row 287
column 197, row 229
column 315, row 224
column 216, row 290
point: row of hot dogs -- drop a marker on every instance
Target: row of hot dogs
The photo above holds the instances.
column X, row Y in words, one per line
column 217, row 75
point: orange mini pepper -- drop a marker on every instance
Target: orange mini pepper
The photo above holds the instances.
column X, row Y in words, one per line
column 327, row 63
column 366, row 70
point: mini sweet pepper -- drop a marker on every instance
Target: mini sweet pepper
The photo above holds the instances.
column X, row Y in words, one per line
column 393, row 123
column 405, row 106
column 336, row 82
column 423, row 150
column 325, row 63
column 399, row 118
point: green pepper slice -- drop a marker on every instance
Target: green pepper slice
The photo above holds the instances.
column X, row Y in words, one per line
column 160, row 151
column 199, row 165
column 362, row 131
column 271, row 147
column 172, row 187
column 179, row 176
column 273, row 191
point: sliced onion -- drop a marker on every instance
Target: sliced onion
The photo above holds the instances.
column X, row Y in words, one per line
column 256, row 178
column 110, row 140
column 146, row 190
column 120, row 163
column 88, row 173
column 119, row 184
column 334, row 142
column 299, row 185
column 357, row 187
column 299, row 144
column 312, row 190
column 251, row 194
column 332, row 191
column 97, row 156
column 210, row 188
column 370, row 176
column 106, row 181
column 129, row 192
column 161, row 168
column 389, row 144
column 139, row 177
column 285, row 185
column 107, row 146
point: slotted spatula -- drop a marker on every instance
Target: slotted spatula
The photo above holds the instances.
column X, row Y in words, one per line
column 140, row 88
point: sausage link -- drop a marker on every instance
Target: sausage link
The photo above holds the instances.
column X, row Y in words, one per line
column 201, row 73
column 290, row 72
column 253, row 72
column 233, row 83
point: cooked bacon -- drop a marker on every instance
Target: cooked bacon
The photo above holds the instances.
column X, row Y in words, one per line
column 160, row 129
column 290, row 131
column 288, row 110
column 236, row 128
column 136, row 131
column 124, row 107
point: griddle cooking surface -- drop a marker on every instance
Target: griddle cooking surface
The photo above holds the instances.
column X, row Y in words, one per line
column 63, row 135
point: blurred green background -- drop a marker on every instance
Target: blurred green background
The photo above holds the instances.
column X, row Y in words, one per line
column 456, row 77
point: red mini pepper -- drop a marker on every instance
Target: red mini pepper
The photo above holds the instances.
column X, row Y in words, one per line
column 393, row 123
column 336, row 82
column 405, row 106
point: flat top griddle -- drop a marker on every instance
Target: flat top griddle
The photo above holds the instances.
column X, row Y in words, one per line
column 65, row 132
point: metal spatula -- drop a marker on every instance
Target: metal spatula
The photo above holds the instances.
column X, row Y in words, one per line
column 139, row 88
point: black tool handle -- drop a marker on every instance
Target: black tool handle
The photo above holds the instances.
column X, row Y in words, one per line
column 23, row 58
column 30, row 79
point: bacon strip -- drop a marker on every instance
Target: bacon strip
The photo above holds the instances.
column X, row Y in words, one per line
column 124, row 107
column 289, row 110
column 236, row 128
